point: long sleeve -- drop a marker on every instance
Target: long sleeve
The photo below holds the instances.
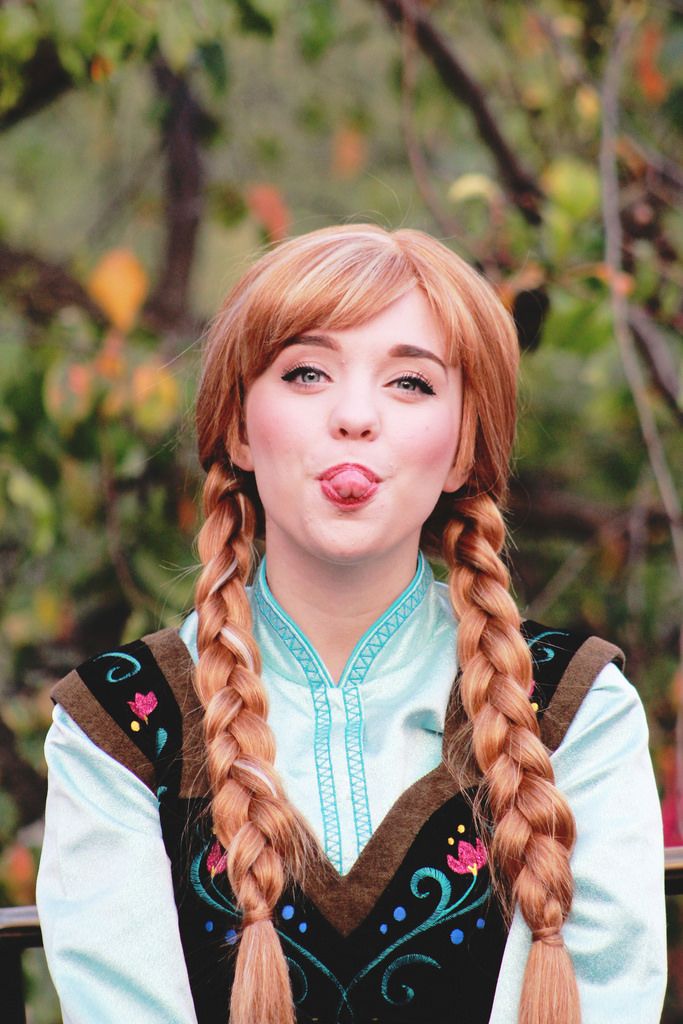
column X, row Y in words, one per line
column 616, row 931
column 104, row 893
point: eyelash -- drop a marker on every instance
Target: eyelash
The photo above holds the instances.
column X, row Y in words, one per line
column 423, row 384
column 298, row 370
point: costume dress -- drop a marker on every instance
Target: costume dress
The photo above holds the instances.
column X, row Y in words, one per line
column 397, row 924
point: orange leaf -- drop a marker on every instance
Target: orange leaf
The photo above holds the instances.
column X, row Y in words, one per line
column 79, row 380
column 349, row 152
column 623, row 283
column 100, row 68
column 110, row 362
column 652, row 82
column 155, row 397
column 267, row 206
column 119, row 284
column 69, row 392
column 20, row 874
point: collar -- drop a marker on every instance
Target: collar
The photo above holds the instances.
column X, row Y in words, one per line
column 288, row 651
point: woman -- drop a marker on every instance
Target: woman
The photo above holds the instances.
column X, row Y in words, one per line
column 347, row 831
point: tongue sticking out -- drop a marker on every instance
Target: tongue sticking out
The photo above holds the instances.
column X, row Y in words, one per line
column 349, row 484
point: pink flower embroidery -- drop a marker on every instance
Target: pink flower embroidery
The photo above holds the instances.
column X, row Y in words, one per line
column 470, row 858
column 143, row 705
column 217, row 859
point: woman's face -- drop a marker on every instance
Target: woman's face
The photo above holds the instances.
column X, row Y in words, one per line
column 352, row 436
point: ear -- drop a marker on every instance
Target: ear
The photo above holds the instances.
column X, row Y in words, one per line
column 240, row 452
column 456, row 478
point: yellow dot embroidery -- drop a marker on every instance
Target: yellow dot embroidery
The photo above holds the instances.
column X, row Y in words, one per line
column 461, row 829
column 534, row 706
column 135, row 726
column 451, row 841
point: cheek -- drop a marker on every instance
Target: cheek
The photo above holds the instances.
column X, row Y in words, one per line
column 437, row 445
column 277, row 445
column 266, row 427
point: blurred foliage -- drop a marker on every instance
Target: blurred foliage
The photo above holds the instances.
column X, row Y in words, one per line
column 150, row 148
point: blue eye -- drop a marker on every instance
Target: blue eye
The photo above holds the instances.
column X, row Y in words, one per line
column 304, row 374
column 413, row 382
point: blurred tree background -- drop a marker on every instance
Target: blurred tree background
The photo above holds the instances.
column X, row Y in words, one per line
column 150, row 147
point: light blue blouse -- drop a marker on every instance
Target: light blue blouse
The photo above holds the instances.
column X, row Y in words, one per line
column 338, row 745
column 104, row 887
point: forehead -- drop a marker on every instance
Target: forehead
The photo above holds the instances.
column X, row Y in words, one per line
column 407, row 328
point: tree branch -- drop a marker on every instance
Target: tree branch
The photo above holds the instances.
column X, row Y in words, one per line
column 45, row 79
column 570, row 569
column 447, row 224
column 167, row 309
column 654, row 348
column 523, row 188
column 40, row 288
column 661, row 174
column 613, row 251
column 550, row 511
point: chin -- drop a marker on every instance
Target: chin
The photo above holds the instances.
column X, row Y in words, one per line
column 353, row 551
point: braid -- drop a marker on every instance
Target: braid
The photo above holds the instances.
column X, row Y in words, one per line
column 252, row 818
column 534, row 828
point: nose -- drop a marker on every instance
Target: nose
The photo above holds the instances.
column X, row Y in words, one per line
column 354, row 416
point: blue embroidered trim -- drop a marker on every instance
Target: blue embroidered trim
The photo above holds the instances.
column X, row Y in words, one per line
column 325, row 773
column 358, row 666
column 288, row 631
column 353, row 735
column 360, row 661
column 379, row 634
column 317, row 676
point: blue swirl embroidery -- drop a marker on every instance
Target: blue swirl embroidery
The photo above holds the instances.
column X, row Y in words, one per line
column 404, row 961
column 160, row 740
column 322, row 968
column 111, row 677
column 544, row 653
column 297, row 973
column 444, row 911
column 421, row 886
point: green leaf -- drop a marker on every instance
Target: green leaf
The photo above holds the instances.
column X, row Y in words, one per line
column 253, row 19
column 19, row 32
column 212, row 57
column 573, row 186
column 179, row 36
column 317, row 23
column 577, row 323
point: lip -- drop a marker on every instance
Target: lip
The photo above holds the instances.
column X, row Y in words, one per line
column 349, row 501
column 334, row 470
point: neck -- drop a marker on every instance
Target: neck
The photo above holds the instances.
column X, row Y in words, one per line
column 336, row 604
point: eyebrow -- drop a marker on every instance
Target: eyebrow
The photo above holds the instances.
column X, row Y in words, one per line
column 395, row 352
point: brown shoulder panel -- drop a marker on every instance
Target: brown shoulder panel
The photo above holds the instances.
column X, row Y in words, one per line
column 593, row 655
column 77, row 700
column 175, row 661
